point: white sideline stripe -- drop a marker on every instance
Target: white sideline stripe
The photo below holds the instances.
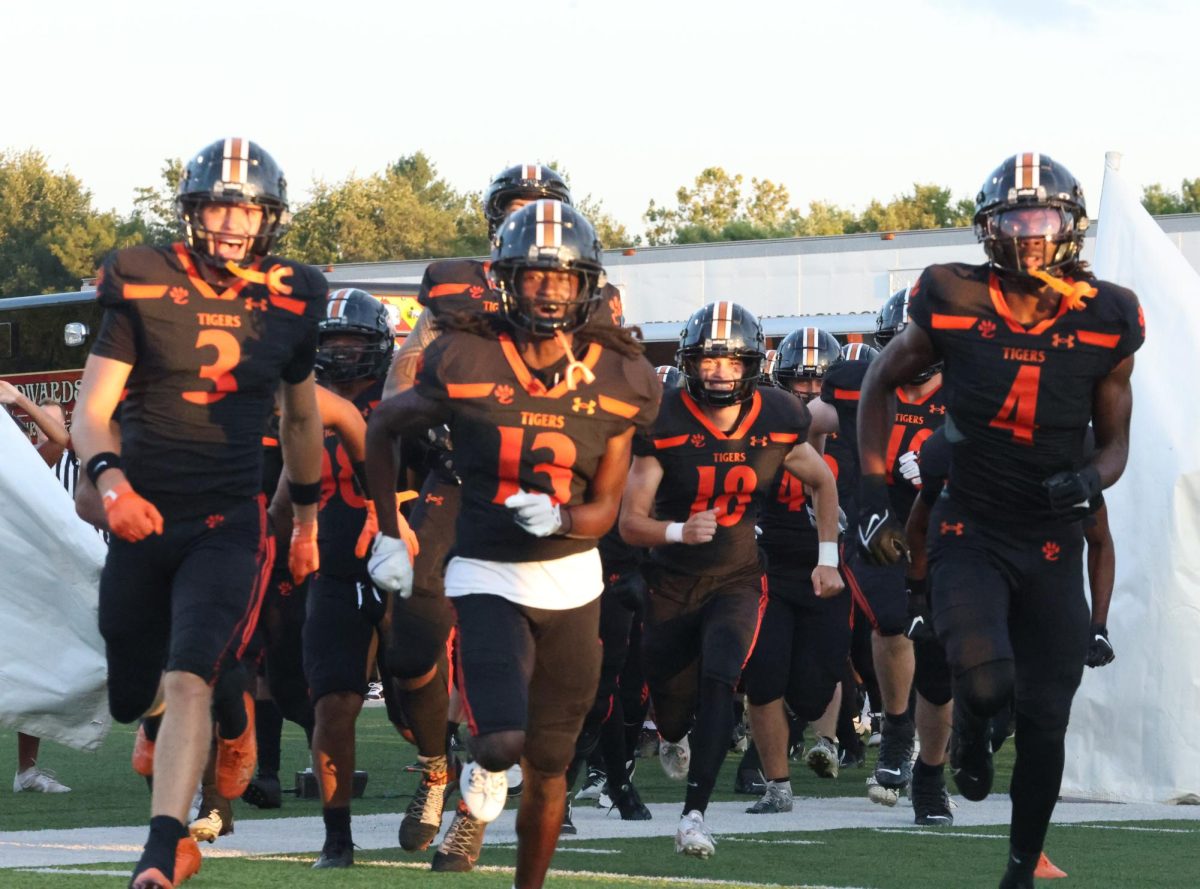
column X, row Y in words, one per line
column 1138, row 829
column 632, row 879
column 938, row 832
column 565, row 848
column 770, row 842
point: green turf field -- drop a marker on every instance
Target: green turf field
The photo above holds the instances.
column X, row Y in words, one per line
column 1143, row 855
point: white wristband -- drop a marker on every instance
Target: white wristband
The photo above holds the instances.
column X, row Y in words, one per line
column 675, row 532
column 827, row 554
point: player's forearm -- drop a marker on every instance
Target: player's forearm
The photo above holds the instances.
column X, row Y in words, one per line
column 94, row 435
column 381, row 465
column 917, row 530
column 825, row 504
column 641, row 530
column 301, row 440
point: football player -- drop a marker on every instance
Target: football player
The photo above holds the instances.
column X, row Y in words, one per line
column 422, row 623
column 804, row 639
column 201, row 334
column 697, row 487
column 542, row 442
column 880, row 591
column 1034, row 347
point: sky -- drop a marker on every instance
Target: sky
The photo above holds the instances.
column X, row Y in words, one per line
column 838, row 102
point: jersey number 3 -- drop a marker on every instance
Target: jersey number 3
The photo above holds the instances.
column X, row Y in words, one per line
column 1020, row 405
column 229, row 353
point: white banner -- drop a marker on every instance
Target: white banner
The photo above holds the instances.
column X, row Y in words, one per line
column 52, row 667
column 1135, row 726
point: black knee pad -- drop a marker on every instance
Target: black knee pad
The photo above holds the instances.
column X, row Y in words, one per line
column 496, row 756
column 290, row 693
column 420, row 628
column 932, row 677
column 984, row 690
column 128, row 701
column 810, row 701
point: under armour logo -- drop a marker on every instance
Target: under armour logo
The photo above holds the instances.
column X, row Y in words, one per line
column 955, row 528
column 757, row 441
column 987, row 329
column 937, row 408
column 1068, row 341
column 504, row 394
column 1050, row 550
column 580, row 405
column 213, row 520
column 697, row 440
column 435, row 499
column 252, row 304
column 179, row 295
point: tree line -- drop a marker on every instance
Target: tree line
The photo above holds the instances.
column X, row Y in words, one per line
column 51, row 236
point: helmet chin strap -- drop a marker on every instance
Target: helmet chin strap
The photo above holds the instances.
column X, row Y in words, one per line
column 575, row 367
column 1074, row 292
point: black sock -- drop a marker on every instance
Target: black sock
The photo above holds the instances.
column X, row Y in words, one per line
column 165, row 834
column 268, row 726
column 710, row 741
column 1036, row 778
column 613, row 752
column 151, row 725
column 337, row 821
column 923, row 768
column 897, row 719
column 424, row 710
column 229, row 704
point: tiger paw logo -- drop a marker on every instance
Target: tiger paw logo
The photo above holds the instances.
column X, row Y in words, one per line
column 285, row 588
column 1067, row 341
column 937, row 409
column 476, row 292
column 214, row 520
column 579, row 405
column 697, row 440
column 987, row 329
column 955, row 528
column 504, row 394
column 179, row 295
column 1050, row 551
column 435, row 499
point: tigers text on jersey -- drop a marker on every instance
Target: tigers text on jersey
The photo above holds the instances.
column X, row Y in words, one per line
column 343, row 508
column 206, row 366
column 515, row 429
column 914, row 421
column 1019, row 398
column 705, row 468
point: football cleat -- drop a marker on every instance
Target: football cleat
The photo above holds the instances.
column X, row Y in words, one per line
column 338, row 852
column 39, row 781
column 484, row 792
column 264, row 792
column 822, row 758
column 930, row 800
column 880, row 795
column 971, row 756
column 187, row 865
column 628, row 802
column 675, row 758
column 237, row 757
column 459, row 849
column 777, row 798
column 143, row 753
column 423, row 817
column 568, row 824
column 593, row 786
column 693, row 837
column 894, row 767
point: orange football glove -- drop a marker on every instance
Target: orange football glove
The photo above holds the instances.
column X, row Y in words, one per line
column 371, row 527
column 303, row 557
column 130, row 515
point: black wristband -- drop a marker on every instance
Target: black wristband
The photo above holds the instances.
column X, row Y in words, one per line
column 304, row 495
column 101, row 462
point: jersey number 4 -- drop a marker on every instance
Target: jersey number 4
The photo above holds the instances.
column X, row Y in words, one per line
column 558, row 467
column 1020, row 405
column 229, row 353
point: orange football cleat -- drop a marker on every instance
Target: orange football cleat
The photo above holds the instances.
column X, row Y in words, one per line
column 187, row 865
column 143, row 753
column 237, row 758
column 1047, row 869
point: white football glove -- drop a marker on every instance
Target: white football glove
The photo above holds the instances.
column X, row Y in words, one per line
column 536, row 513
column 390, row 565
column 843, row 522
column 910, row 468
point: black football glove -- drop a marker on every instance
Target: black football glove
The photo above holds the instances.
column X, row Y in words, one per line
column 1100, row 650
column 1071, row 493
column 880, row 534
column 920, row 618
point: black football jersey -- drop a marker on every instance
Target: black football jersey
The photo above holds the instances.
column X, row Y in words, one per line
column 458, row 285
column 343, row 506
column 841, row 387
column 272, row 455
column 1019, row 398
column 915, row 420
column 515, row 429
column 206, row 366
column 706, row 468
column 617, row 557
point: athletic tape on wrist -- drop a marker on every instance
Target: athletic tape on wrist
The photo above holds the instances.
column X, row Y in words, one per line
column 827, row 553
column 675, row 532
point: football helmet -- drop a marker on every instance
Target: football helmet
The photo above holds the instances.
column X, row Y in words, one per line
column 233, row 171
column 669, row 376
column 892, row 319
column 1028, row 197
column 550, row 236
column 721, row 330
column 859, row 352
column 353, row 311
column 807, row 352
column 767, row 377
column 531, row 181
